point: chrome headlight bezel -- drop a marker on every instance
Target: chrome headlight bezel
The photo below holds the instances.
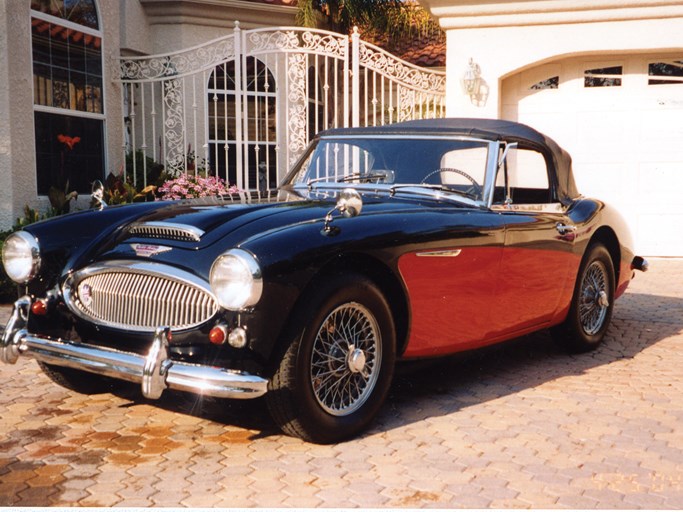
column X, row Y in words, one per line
column 236, row 280
column 21, row 257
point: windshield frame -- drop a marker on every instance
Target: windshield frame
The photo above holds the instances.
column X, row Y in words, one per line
column 415, row 189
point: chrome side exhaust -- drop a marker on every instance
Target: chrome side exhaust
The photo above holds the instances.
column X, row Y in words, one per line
column 640, row 263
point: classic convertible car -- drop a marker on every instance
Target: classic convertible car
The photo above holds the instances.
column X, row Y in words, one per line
column 386, row 244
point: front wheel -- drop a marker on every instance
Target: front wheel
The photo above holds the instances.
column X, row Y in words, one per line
column 591, row 308
column 338, row 365
column 76, row 380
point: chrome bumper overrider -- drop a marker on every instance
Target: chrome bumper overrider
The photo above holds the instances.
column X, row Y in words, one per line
column 155, row 372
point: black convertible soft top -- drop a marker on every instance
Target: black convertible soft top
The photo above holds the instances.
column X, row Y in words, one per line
column 488, row 129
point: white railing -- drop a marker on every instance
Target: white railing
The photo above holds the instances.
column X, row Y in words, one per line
column 245, row 106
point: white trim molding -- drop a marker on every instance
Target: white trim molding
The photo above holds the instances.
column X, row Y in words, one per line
column 453, row 14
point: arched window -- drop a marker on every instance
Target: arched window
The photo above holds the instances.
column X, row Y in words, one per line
column 67, row 94
column 256, row 120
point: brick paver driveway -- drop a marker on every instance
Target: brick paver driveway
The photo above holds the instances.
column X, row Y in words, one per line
column 522, row 425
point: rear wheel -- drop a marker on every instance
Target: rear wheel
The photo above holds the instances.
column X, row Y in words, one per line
column 338, row 365
column 591, row 308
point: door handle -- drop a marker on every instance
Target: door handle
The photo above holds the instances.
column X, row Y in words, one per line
column 563, row 229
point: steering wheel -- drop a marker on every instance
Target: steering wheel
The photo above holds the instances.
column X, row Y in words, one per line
column 475, row 190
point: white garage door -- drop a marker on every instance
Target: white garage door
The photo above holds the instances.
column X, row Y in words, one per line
column 621, row 119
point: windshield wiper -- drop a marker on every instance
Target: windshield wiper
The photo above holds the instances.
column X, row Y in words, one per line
column 432, row 186
column 368, row 176
column 316, row 180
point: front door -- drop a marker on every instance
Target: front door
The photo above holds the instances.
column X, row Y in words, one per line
column 538, row 252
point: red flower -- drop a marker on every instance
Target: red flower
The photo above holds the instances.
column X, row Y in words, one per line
column 70, row 142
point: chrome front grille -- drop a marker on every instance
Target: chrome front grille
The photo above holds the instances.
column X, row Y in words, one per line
column 139, row 296
column 167, row 231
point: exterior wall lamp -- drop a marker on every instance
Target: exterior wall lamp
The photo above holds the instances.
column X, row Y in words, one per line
column 471, row 80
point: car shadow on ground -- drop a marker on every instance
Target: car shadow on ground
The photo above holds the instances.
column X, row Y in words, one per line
column 639, row 322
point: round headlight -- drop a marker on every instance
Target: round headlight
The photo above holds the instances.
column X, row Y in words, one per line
column 236, row 280
column 21, row 256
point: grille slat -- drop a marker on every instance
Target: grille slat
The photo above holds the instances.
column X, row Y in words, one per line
column 139, row 301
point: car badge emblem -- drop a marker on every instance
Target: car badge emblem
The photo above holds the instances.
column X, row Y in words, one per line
column 85, row 294
column 147, row 250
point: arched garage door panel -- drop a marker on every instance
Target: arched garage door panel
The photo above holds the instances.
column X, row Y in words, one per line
column 626, row 140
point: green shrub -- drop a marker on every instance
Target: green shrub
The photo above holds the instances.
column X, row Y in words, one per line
column 154, row 170
column 118, row 191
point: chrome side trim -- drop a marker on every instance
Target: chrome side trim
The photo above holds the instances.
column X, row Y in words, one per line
column 447, row 253
column 154, row 372
column 168, row 230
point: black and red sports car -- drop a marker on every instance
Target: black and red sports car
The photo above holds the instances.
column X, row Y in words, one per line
column 384, row 244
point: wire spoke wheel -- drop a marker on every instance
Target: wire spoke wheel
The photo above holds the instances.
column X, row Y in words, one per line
column 346, row 358
column 591, row 306
column 594, row 301
column 337, row 368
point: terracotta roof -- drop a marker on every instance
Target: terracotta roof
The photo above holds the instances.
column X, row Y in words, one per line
column 428, row 51
column 41, row 27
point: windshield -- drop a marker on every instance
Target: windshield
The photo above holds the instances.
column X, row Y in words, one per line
column 445, row 166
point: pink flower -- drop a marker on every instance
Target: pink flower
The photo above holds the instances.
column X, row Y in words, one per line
column 188, row 186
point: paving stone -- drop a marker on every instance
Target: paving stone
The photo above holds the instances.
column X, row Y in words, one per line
column 521, row 425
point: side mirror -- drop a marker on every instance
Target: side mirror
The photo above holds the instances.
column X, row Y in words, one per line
column 349, row 204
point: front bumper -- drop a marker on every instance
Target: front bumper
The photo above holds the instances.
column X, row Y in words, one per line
column 154, row 372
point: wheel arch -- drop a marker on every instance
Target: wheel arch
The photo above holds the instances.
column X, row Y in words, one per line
column 388, row 282
column 607, row 237
column 376, row 271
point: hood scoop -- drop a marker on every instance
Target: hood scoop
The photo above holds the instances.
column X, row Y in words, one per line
column 166, row 231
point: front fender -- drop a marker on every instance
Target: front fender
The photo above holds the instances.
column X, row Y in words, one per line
column 292, row 257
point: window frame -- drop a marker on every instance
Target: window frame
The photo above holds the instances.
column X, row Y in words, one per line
column 667, row 80
column 601, row 66
column 34, row 14
column 553, row 206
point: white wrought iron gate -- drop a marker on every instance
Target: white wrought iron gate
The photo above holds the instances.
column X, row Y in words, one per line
column 244, row 106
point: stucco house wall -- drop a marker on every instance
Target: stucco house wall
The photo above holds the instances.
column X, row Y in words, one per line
column 160, row 26
column 627, row 141
column 17, row 132
column 508, row 37
column 130, row 27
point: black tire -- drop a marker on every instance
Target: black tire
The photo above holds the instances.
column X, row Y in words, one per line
column 592, row 303
column 332, row 381
column 76, row 380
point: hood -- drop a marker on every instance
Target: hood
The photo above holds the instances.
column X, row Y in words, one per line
column 171, row 231
column 75, row 240
column 199, row 224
